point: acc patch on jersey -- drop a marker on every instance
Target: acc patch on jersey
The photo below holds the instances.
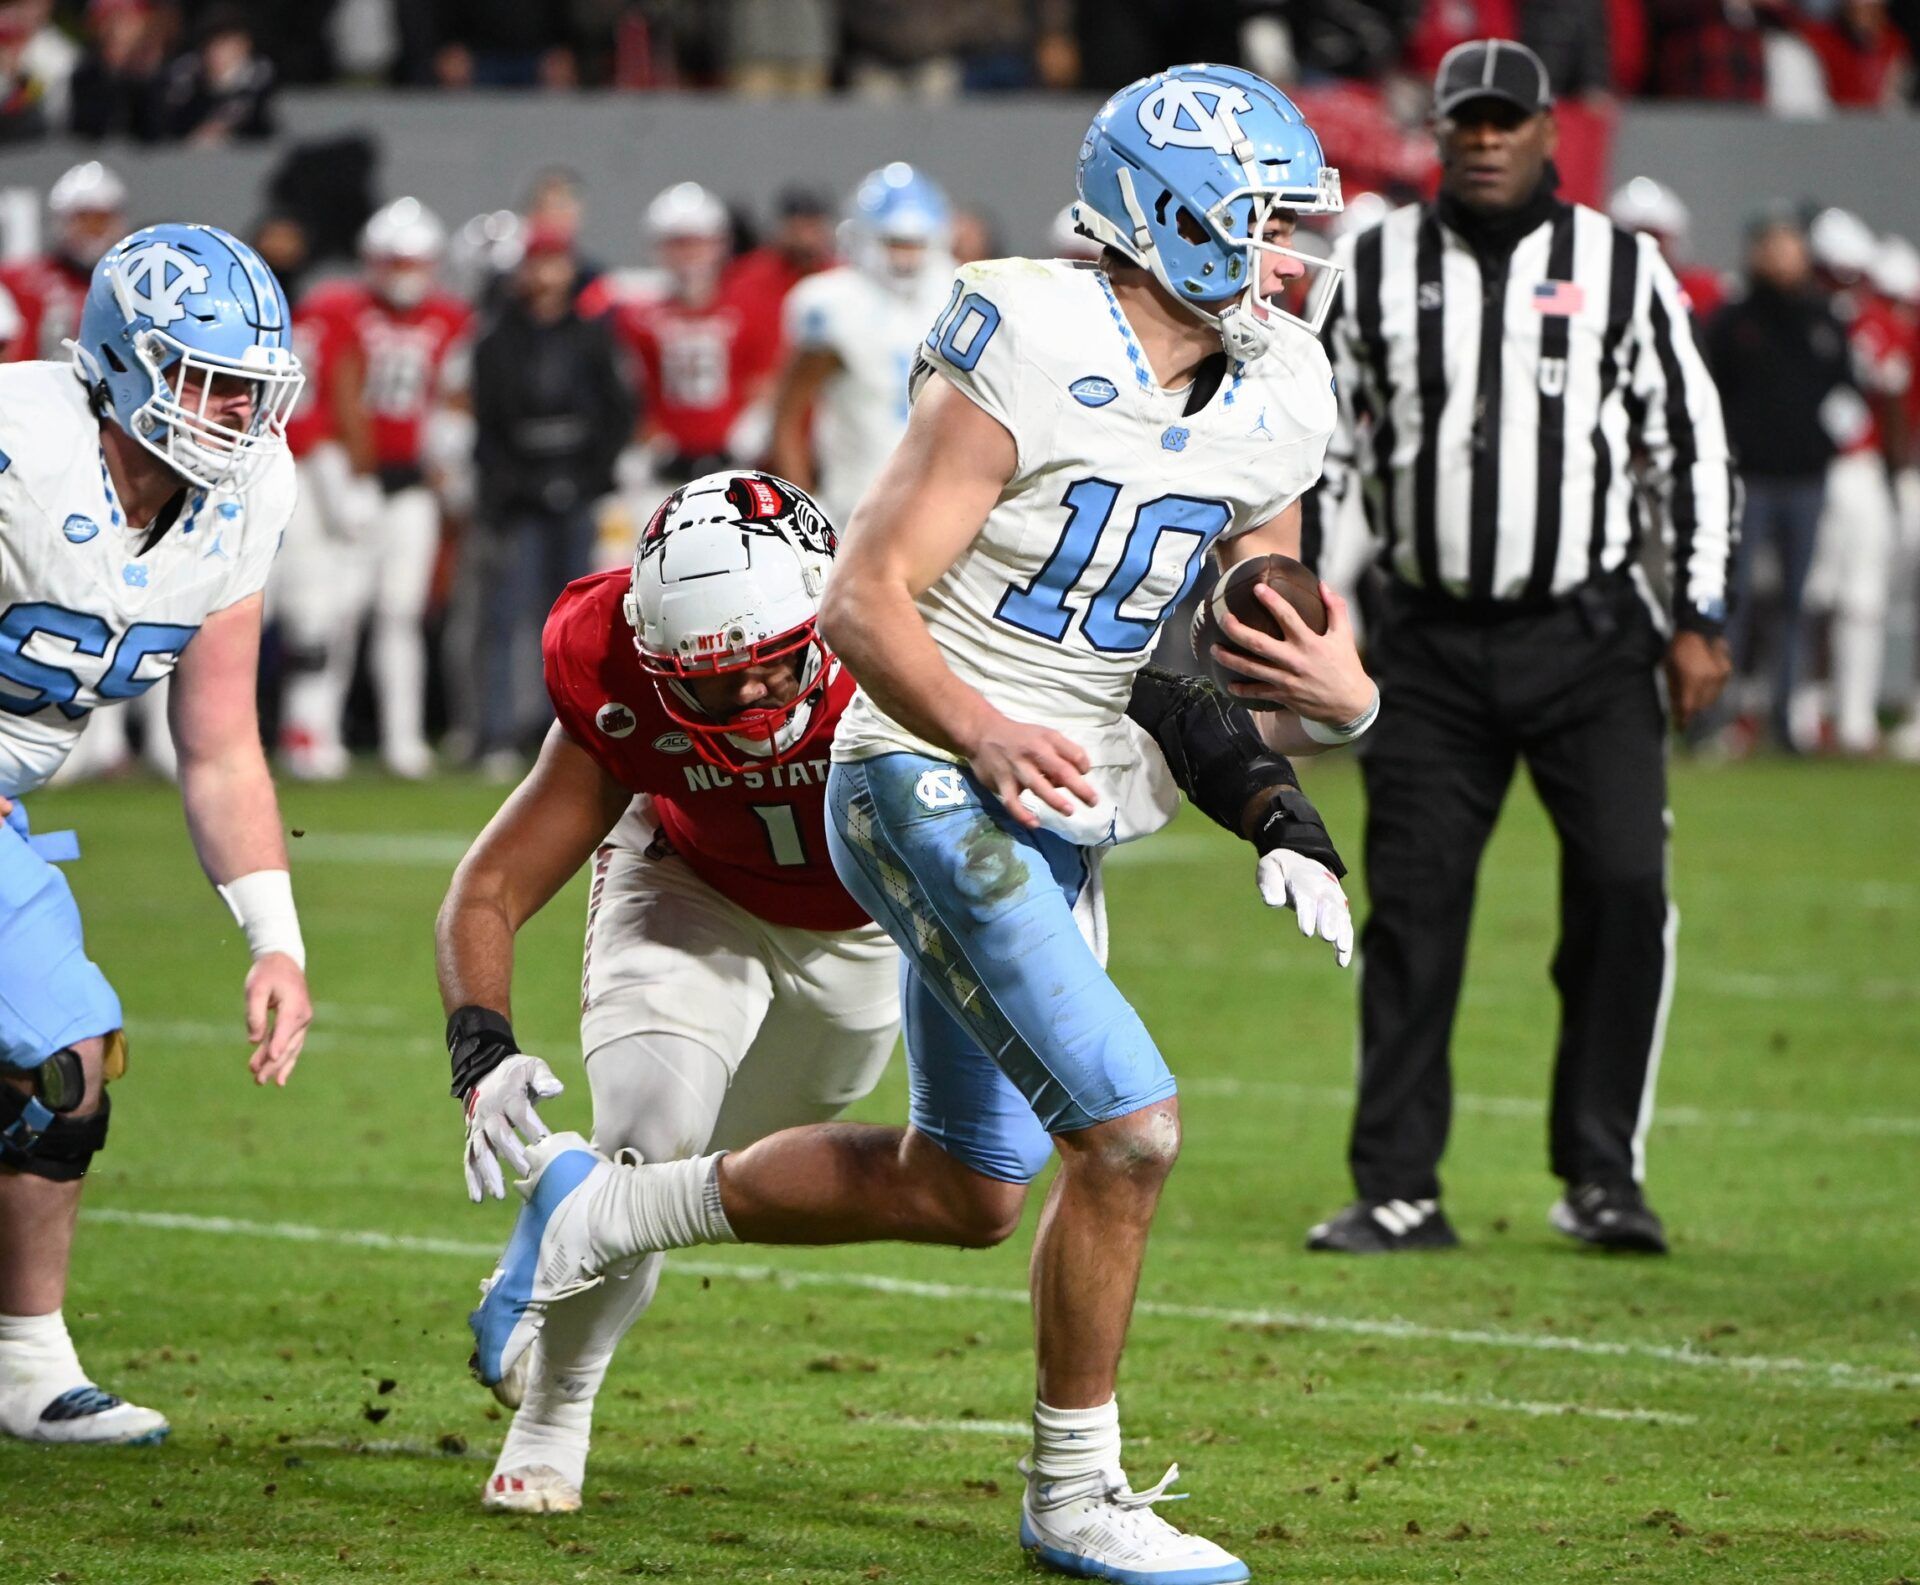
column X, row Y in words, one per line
column 79, row 529
column 1093, row 391
column 614, row 719
column 673, row 743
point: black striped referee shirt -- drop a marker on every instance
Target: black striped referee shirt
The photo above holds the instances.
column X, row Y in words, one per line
column 1512, row 413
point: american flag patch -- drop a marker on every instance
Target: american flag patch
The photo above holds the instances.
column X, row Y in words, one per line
column 1564, row 298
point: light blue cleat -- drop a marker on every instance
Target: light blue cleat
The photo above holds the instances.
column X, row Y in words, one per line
column 544, row 1259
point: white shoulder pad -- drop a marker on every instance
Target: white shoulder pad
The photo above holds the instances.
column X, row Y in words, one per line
column 46, row 429
column 254, row 522
column 815, row 313
column 978, row 340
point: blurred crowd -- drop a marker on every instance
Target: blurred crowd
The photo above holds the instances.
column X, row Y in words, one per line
column 207, row 70
column 491, row 412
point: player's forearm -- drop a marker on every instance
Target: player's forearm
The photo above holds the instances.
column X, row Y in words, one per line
column 875, row 628
column 1282, row 732
column 473, row 948
column 233, row 816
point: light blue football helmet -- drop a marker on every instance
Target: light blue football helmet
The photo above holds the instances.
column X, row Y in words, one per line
column 1180, row 173
column 170, row 308
column 893, row 205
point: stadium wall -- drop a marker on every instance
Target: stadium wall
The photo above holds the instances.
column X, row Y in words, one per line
column 1010, row 157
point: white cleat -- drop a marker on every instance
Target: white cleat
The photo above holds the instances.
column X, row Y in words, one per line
column 534, row 1488
column 548, row 1257
column 1098, row 1527
column 510, row 1391
column 81, row 1416
column 409, row 761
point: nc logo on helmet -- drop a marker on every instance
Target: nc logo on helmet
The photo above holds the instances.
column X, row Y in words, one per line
column 153, row 281
column 1194, row 115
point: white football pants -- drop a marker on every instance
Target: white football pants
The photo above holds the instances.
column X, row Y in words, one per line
column 1852, row 568
column 329, row 586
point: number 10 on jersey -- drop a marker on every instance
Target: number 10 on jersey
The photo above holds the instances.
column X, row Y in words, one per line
column 1041, row 607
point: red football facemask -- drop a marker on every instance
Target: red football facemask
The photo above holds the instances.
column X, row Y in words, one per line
column 778, row 727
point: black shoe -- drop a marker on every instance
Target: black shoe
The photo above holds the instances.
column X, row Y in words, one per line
column 1381, row 1227
column 1612, row 1215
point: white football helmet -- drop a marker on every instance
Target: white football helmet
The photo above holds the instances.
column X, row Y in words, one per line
column 728, row 574
column 689, row 230
column 1842, row 243
column 1895, row 271
column 686, row 209
column 89, row 207
column 1646, row 205
column 401, row 244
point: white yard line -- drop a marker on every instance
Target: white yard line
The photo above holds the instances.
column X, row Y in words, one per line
column 1528, row 1406
column 1816, row 1372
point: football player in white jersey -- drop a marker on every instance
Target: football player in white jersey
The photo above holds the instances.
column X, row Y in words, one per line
column 841, row 403
column 143, row 490
column 1081, row 436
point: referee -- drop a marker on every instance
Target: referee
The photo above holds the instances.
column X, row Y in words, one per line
column 1519, row 394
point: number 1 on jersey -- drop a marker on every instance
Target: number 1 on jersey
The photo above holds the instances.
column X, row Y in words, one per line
column 783, row 834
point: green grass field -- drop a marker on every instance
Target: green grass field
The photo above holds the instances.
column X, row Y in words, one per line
column 287, row 1274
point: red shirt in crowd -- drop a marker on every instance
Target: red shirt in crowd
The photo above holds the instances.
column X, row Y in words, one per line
column 49, row 293
column 405, row 351
column 1865, row 71
column 758, row 837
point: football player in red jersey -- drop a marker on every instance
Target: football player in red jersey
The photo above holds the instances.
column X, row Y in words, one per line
column 703, row 353
column 88, row 208
column 409, row 333
column 338, row 506
column 731, row 987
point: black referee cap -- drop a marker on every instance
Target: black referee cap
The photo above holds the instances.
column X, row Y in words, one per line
column 1491, row 69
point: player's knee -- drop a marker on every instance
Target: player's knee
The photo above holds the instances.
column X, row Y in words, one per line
column 41, row 1143
column 1140, row 1147
column 658, row 1095
column 973, row 1210
column 985, row 1212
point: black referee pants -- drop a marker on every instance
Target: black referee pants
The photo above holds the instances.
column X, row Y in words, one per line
column 1571, row 690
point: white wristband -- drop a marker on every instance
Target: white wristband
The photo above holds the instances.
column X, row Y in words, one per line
column 262, row 906
column 1322, row 733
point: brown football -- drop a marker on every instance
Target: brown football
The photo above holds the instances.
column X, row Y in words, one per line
column 1234, row 592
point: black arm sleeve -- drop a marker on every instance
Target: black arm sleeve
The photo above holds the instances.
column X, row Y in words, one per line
column 1225, row 768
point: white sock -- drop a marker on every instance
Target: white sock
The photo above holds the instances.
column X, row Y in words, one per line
column 554, row 1426
column 37, row 1365
column 36, row 1348
column 659, row 1206
column 1070, row 1442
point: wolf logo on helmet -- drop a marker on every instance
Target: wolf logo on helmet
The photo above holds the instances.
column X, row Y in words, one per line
column 728, row 575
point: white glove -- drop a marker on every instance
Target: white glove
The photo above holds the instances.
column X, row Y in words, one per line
column 1309, row 888
column 502, row 1103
